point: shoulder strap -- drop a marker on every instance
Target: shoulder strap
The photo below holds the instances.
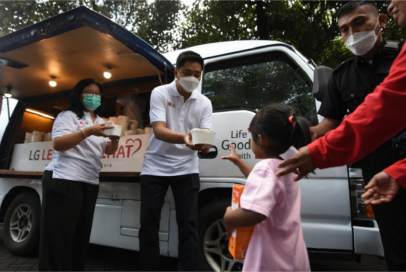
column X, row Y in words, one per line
column 390, row 51
column 392, row 48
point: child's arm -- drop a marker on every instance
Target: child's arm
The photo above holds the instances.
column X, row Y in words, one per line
column 241, row 218
column 245, row 168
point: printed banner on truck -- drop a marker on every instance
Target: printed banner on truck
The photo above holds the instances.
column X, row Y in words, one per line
column 128, row 158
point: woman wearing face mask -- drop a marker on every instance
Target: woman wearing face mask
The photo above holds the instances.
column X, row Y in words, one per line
column 70, row 183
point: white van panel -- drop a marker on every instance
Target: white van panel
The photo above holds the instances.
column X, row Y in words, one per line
column 326, row 213
column 368, row 241
column 7, row 184
column 234, row 131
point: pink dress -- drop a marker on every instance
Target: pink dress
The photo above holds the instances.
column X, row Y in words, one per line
column 277, row 243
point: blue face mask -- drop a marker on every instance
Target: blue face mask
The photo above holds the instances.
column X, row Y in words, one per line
column 91, row 102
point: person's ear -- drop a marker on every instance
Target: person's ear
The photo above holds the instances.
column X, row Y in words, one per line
column 382, row 20
column 175, row 71
column 263, row 141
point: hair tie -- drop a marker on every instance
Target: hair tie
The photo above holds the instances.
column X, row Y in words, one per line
column 291, row 121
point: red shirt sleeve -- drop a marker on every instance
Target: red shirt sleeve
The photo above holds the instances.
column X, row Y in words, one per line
column 397, row 171
column 382, row 115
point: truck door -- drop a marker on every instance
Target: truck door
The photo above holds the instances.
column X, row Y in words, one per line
column 242, row 83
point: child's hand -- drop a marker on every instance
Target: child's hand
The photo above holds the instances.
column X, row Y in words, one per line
column 233, row 156
column 228, row 228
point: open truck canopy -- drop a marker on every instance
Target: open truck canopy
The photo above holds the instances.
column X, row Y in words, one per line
column 71, row 46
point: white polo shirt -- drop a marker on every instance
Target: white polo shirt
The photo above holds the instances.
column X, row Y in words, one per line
column 167, row 105
column 83, row 161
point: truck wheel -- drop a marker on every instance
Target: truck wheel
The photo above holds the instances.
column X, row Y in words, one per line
column 214, row 254
column 22, row 223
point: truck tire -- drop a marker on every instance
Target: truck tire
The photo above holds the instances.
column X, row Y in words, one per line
column 22, row 224
column 213, row 253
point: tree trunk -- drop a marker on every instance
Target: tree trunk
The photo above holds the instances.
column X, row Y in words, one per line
column 261, row 21
column 94, row 5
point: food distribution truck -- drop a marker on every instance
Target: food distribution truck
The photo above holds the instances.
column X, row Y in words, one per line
column 239, row 78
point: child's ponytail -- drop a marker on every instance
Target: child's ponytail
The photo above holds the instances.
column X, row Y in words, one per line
column 301, row 131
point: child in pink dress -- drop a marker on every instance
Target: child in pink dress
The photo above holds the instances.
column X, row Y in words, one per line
column 270, row 203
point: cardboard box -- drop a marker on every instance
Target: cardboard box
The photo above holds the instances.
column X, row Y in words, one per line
column 240, row 238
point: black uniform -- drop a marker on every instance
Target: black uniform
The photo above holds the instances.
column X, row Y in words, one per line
column 348, row 86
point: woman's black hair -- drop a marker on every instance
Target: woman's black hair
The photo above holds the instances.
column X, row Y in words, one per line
column 273, row 122
column 75, row 99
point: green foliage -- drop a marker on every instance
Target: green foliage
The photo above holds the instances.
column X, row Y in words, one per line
column 159, row 28
column 216, row 21
column 151, row 21
column 18, row 14
column 310, row 26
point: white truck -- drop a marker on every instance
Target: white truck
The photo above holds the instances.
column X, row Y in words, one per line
column 239, row 77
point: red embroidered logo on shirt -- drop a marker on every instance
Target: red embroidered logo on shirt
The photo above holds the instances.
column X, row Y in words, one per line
column 80, row 122
column 170, row 104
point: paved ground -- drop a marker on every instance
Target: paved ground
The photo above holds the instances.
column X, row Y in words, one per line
column 112, row 259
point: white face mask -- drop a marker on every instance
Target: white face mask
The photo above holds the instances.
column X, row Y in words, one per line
column 189, row 83
column 361, row 42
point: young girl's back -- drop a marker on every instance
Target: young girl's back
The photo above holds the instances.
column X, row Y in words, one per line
column 270, row 203
column 277, row 243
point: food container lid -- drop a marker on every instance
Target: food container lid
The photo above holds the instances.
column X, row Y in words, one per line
column 202, row 130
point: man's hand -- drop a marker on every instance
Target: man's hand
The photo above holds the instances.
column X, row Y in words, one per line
column 313, row 134
column 300, row 164
column 381, row 189
column 204, row 148
column 188, row 141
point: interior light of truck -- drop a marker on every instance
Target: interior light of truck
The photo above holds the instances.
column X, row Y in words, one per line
column 8, row 94
column 107, row 73
column 52, row 82
column 40, row 113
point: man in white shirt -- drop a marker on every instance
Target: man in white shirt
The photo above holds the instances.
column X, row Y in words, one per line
column 171, row 160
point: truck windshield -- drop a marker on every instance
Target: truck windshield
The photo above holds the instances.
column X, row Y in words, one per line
column 255, row 81
column 4, row 113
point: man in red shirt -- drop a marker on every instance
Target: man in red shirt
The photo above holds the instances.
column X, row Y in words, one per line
column 380, row 116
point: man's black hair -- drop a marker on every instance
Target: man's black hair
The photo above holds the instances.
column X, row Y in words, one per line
column 75, row 99
column 188, row 56
column 352, row 5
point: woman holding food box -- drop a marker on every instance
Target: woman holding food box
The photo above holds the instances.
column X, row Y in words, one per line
column 70, row 183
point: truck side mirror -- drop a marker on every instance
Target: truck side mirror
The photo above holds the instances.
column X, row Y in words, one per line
column 211, row 155
column 321, row 76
